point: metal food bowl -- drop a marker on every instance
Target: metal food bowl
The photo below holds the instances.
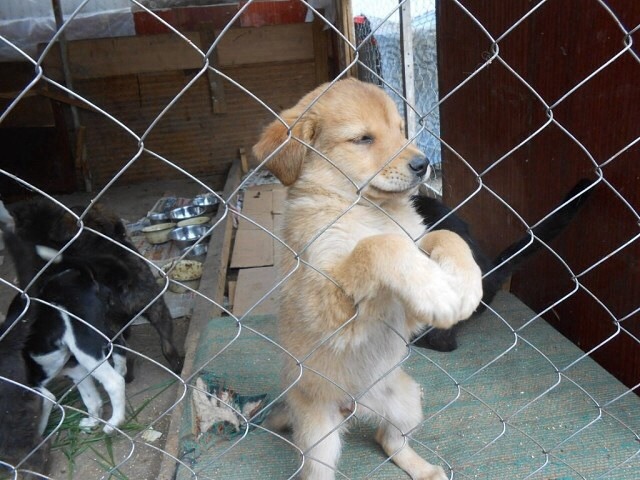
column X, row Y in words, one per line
column 158, row 233
column 182, row 213
column 207, row 200
column 158, row 217
column 197, row 253
column 184, row 237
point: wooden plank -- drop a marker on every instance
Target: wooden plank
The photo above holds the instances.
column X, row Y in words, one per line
column 321, row 49
column 212, row 286
column 347, row 28
column 108, row 57
column 408, row 77
column 231, row 289
column 206, row 150
column 273, row 43
column 216, row 88
column 260, row 201
column 253, row 284
column 279, row 197
column 244, row 164
column 252, row 248
column 264, row 220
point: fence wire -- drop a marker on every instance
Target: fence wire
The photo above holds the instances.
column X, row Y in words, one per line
column 521, row 435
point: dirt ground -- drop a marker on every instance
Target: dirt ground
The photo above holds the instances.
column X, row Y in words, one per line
column 77, row 455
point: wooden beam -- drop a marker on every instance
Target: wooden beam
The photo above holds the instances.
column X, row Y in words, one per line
column 321, row 50
column 272, row 43
column 216, row 87
column 346, row 26
column 408, row 76
column 244, row 163
column 109, row 57
column 212, row 285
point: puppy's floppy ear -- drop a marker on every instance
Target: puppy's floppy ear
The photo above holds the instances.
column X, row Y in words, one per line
column 286, row 162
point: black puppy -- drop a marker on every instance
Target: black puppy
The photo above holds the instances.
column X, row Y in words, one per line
column 506, row 263
column 65, row 310
column 47, row 224
column 21, row 408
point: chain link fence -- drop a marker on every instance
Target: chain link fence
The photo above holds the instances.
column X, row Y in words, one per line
column 514, row 400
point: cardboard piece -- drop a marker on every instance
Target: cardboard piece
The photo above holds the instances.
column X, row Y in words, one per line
column 252, row 248
column 253, row 284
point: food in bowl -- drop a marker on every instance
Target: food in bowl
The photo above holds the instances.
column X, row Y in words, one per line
column 194, row 221
column 187, row 272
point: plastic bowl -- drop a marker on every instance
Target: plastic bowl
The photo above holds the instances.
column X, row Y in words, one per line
column 158, row 233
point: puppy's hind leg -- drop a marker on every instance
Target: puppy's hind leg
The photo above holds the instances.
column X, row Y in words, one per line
column 48, row 401
column 316, row 431
column 89, row 393
column 398, row 402
column 113, row 384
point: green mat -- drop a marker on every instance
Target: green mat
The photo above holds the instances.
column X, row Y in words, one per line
column 497, row 426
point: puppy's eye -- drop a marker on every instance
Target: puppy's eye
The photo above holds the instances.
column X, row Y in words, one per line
column 363, row 140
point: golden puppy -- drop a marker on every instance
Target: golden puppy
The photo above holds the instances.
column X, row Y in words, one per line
column 367, row 277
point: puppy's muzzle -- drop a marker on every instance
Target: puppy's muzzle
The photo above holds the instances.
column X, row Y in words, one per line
column 419, row 165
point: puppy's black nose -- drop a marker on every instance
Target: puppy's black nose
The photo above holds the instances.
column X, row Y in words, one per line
column 419, row 165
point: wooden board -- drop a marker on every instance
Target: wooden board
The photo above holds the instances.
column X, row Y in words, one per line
column 206, row 150
column 260, row 201
column 279, row 197
column 252, row 285
column 108, row 57
column 275, row 43
column 232, row 292
column 252, row 248
column 264, row 220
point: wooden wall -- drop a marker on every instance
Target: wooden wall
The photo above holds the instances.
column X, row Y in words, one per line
column 553, row 50
column 134, row 79
column 270, row 51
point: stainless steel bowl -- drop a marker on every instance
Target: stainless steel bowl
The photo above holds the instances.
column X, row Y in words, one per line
column 197, row 253
column 182, row 213
column 184, row 237
column 207, row 200
column 158, row 217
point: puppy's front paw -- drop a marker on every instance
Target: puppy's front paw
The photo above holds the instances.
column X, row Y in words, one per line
column 433, row 473
column 436, row 303
column 454, row 256
column 471, row 292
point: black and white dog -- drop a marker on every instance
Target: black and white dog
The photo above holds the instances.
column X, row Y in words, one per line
column 435, row 213
column 65, row 310
column 44, row 223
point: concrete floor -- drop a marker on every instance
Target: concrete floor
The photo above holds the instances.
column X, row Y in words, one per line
column 89, row 456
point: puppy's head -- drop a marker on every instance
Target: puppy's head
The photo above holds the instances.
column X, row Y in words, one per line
column 350, row 131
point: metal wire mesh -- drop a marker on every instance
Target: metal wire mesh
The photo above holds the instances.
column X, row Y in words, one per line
column 526, row 417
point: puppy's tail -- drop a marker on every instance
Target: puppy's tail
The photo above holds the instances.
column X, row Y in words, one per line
column 512, row 257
